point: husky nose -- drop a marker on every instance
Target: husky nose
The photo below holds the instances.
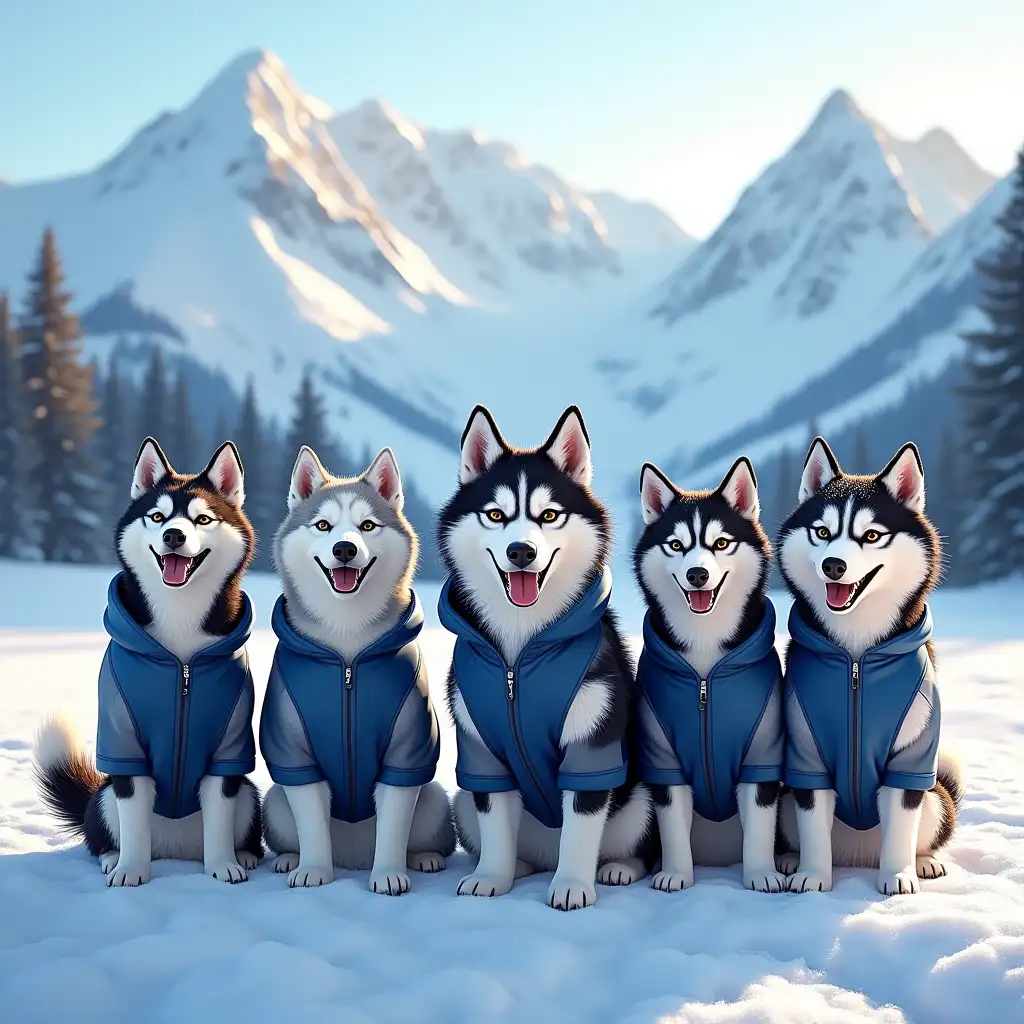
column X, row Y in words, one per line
column 173, row 539
column 833, row 568
column 697, row 577
column 345, row 551
column 521, row 554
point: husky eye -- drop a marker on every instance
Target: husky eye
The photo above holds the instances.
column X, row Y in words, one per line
column 823, row 534
column 367, row 526
column 203, row 520
column 322, row 525
column 157, row 517
column 676, row 545
column 722, row 543
column 549, row 515
column 872, row 537
column 496, row 515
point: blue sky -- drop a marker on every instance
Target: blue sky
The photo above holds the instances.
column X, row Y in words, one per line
column 679, row 101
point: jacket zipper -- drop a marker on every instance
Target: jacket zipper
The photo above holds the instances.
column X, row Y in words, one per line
column 350, row 761
column 513, row 719
column 705, row 736
column 855, row 737
column 186, row 673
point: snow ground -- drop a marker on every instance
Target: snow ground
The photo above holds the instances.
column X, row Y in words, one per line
column 187, row 948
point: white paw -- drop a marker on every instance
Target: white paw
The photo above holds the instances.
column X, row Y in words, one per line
column 897, row 883
column 425, row 862
column 227, row 871
column 484, row 885
column 570, row 893
column 929, row 867
column 128, row 873
column 286, row 862
column 108, row 861
column 389, row 883
column 310, row 877
column 247, row 859
column 764, row 880
column 787, row 863
column 672, row 881
column 810, row 881
column 616, row 873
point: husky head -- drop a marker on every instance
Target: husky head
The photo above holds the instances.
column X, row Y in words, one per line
column 858, row 553
column 345, row 551
column 184, row 543
column 702, row 560
column 523, row 536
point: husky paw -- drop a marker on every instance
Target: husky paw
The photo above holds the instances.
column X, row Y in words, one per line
column 524, row 868
column 764, row 880
column 247, row 859
column 227, row 871
column 286, row 862
column 672, row 881
column 389, row 883
column 309, row 878
column 809, row 881
column 428, row 863
column 787, row 863
column 108, row 861
column 484, row 885
column 570, row 894
column 625, row 872
column 897, row 883
column 929, row 867
column 128, row 873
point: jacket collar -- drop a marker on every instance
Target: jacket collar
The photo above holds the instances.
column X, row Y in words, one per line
column 910, row 641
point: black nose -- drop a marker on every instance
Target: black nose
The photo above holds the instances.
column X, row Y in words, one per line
column 345, row 551
column 833, row 568
column 696, row 577
column 173, row 539
column 521, row 554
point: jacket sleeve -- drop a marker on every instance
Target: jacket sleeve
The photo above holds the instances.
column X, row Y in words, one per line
column 659, row 763
column 412, row 751
column 805, row 768
column 236, row 751
column 762, row 761
column 119, row 750
column 283, row 740
column 914, row 758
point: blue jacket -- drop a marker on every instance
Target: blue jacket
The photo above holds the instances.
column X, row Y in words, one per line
column 355, row 724
column 519, row 710
column 173, row 722
column 843, row 718
column 714, row 733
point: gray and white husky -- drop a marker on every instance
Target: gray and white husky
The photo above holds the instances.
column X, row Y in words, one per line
column 860, row 559
column 346, row 555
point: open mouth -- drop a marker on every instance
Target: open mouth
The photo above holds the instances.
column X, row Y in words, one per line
column 523, row 587
column 841, row 597
column 345, row 579
column 701, row 601
column 177, row 570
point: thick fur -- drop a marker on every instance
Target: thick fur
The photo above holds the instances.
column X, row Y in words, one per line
column 838, row 517
column 541, row 499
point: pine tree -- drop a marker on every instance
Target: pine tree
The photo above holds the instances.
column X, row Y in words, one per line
column 861, row 454
column 68, row 493
column 944, row 500
column 250, row 439
column 153, row 418
column 309, row 426
column 13, row 437
column 992, row 542
column 117, row 445
column 787, row 484
column 183, row 449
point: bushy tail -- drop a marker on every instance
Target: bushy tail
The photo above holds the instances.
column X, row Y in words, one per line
column 950, row 776
column 65, row 776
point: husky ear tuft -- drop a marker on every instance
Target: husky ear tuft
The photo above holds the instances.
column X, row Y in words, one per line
column 384, row 477
column 569, row 447
column 656, row 493
column 739, row 488
column 151, row 466
column 308, row 475
column 482, row 444
column 821, row 468
column 904, row 477
column 225, row 473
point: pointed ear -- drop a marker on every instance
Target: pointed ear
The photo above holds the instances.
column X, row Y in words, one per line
column 656, row 493
column 821, row 468
column 308, row 475
column 904, row 477
column 569, row 447
column 739, row 488
column 151, row 466
column 482, row 443
column 384, row 477
column 225, row 473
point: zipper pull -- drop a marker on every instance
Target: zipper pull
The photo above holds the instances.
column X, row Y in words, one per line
column 703, row 694
column 184, row 680
column 511, row 684
column 348, row 678
column 856, row 675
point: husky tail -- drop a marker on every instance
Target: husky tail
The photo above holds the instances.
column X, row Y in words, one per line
column 66, row 777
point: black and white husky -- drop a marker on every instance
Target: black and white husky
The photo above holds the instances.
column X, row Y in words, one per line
column 711, row 698
column 526, row 543
column 860, row 559
column 183, row 543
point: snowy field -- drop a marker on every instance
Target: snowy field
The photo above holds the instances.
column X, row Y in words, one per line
column 186, row 948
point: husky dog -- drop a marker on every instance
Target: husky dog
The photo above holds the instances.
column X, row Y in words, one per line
column 540, row 686
column 710, row 682
column 348, row 731
column 175, row 734
column 870, row 785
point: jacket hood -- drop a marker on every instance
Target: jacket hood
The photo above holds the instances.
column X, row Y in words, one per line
column 403, row 632
column 127, row 633
column 908, row 642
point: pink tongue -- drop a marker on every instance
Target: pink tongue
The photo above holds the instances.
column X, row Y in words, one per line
column 175, row 567
column 700, row 600
column 838, row 593
column 523, row 587
column 344, row 579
